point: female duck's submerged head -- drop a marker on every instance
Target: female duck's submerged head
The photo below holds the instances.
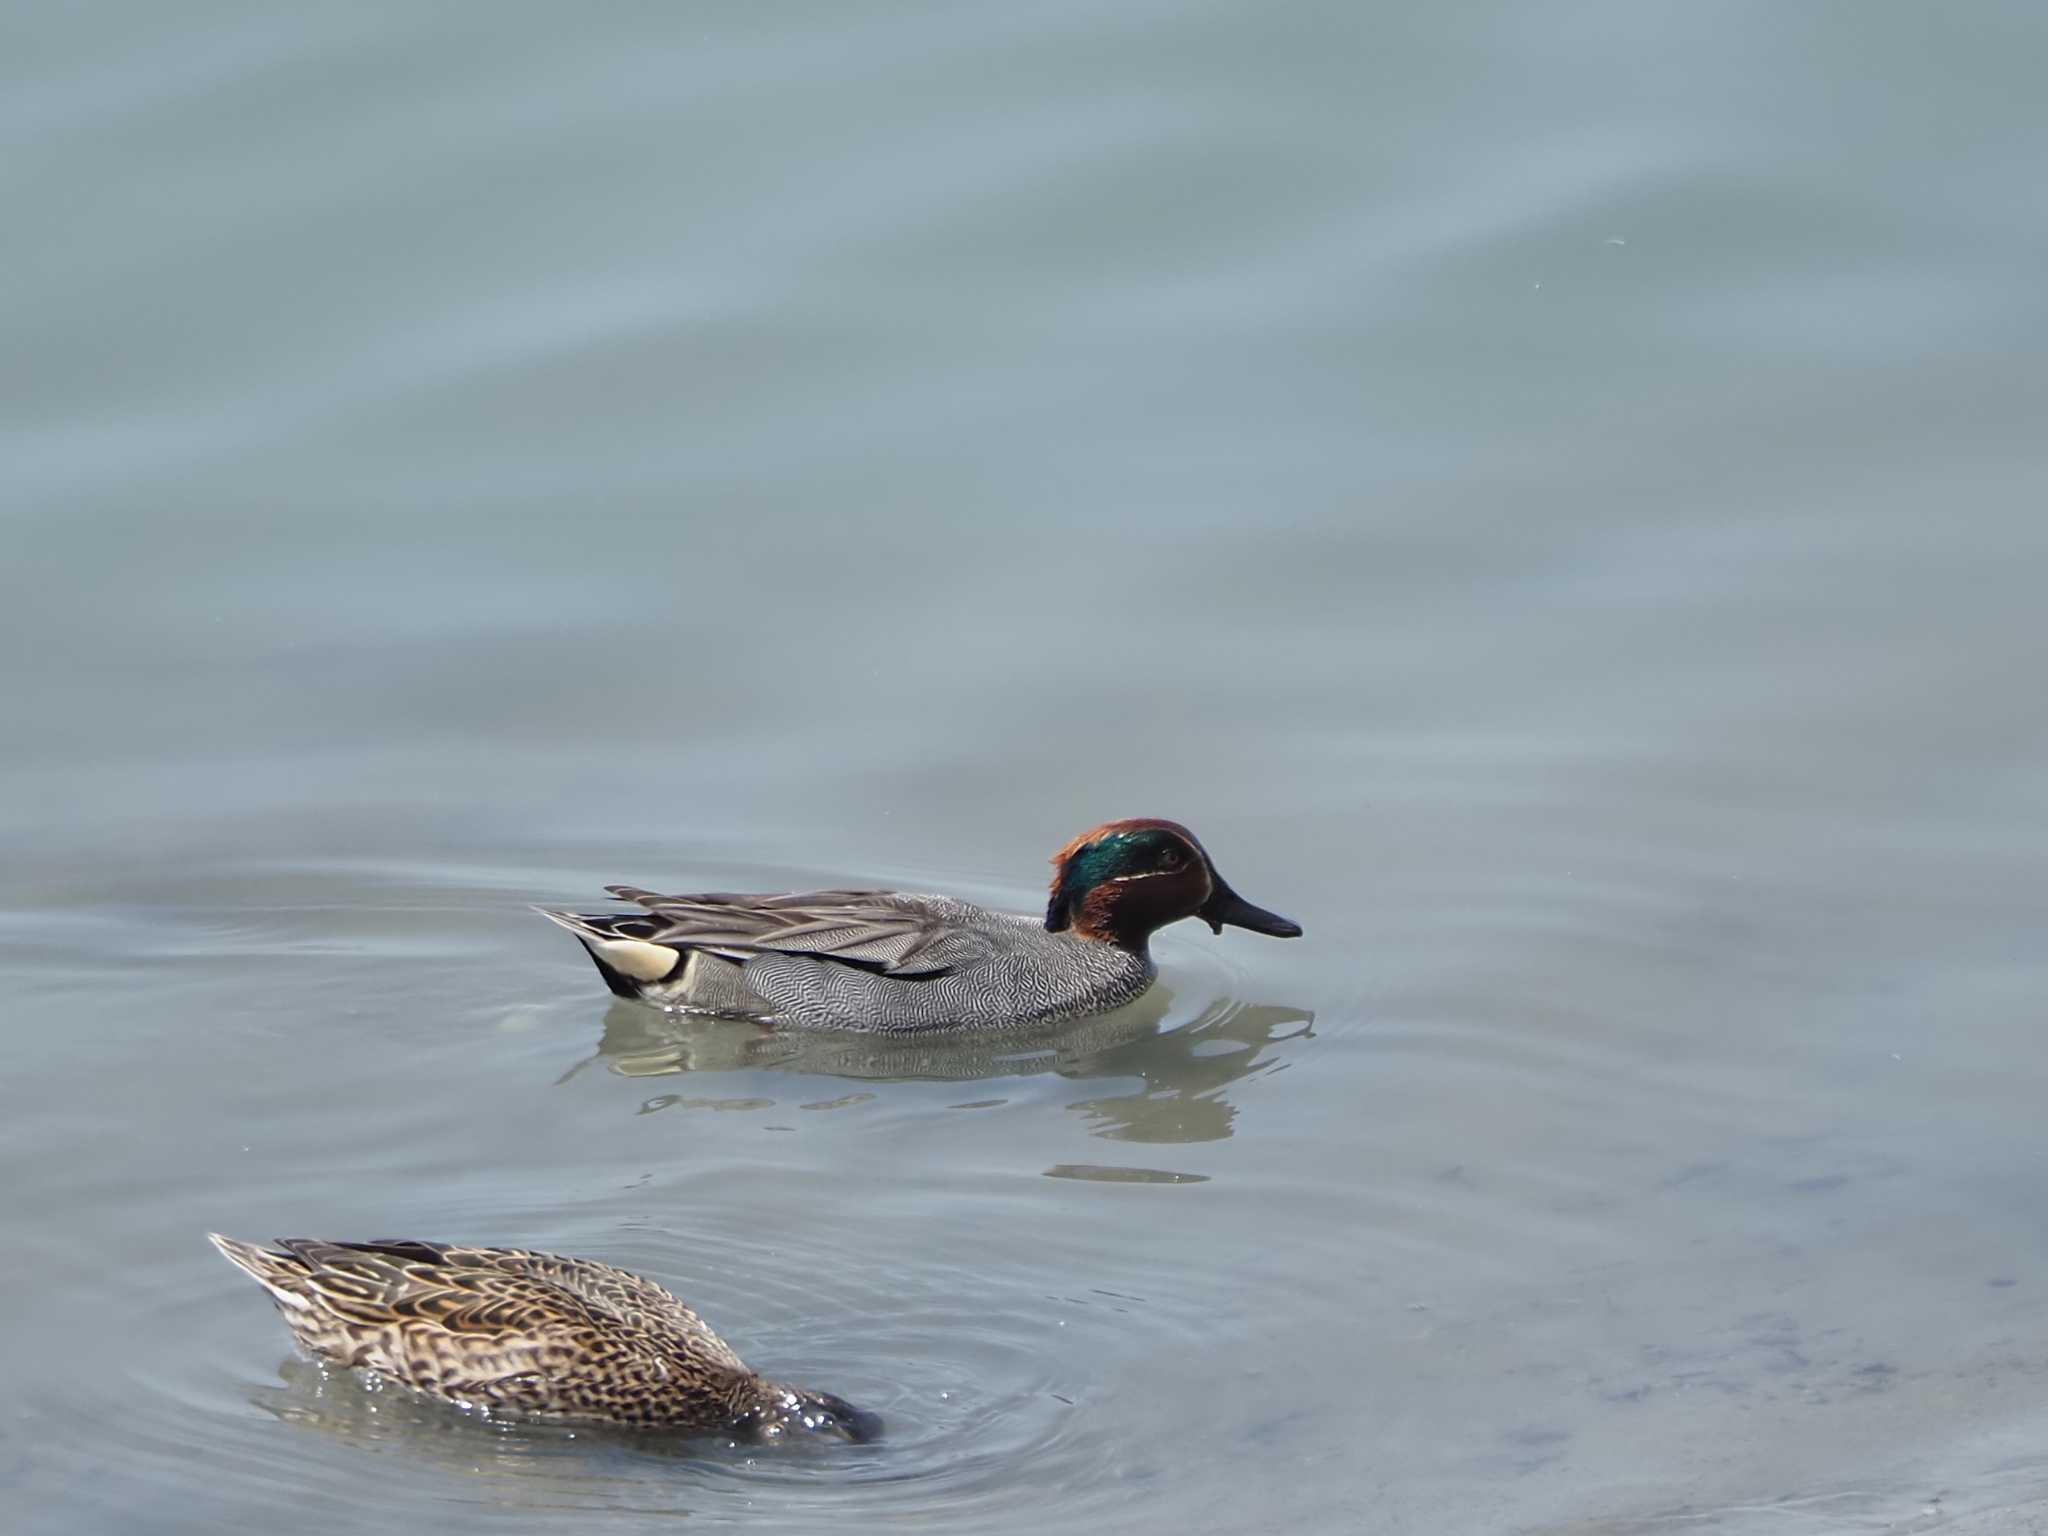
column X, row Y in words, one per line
column 1125, row 880
column 775, row 1412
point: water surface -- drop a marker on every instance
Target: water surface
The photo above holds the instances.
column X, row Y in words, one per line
column 1551, row 495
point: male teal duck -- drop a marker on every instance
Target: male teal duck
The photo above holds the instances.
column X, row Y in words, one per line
column 891, row 963
column 529, row 1333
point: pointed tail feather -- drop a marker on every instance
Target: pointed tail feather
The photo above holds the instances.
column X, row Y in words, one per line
column 267, row 1269
column 575, row 922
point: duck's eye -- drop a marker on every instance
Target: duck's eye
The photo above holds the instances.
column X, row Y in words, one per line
column 1171, row 857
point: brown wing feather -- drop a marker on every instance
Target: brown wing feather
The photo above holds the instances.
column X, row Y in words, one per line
column 629, row 1298
column 372, row 1286
column 496, row 1291
column 899, row 935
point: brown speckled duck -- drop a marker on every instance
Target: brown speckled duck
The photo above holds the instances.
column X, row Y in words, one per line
column 530, row 1333
column 887, row 962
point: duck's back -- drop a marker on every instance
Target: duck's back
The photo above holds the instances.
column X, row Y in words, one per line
column 870, row 961
column 616, row 1295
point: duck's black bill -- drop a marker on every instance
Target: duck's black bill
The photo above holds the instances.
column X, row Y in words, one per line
column 1226, row 906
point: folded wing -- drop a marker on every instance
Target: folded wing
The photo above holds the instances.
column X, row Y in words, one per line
column 880, row 931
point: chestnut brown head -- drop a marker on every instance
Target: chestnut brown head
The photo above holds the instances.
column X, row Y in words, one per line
column 1125, row 880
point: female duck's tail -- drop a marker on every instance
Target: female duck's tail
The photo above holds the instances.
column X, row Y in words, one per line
column 272, row 1271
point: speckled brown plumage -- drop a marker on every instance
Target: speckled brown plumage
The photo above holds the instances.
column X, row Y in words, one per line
column 528, row 1333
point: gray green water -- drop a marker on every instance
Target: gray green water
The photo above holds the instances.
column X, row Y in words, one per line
column 1553, row 494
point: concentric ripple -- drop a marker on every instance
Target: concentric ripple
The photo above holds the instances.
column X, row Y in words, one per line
column 978, row 1377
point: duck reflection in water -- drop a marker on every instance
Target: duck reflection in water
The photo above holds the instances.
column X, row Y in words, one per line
column 1182, row 1071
